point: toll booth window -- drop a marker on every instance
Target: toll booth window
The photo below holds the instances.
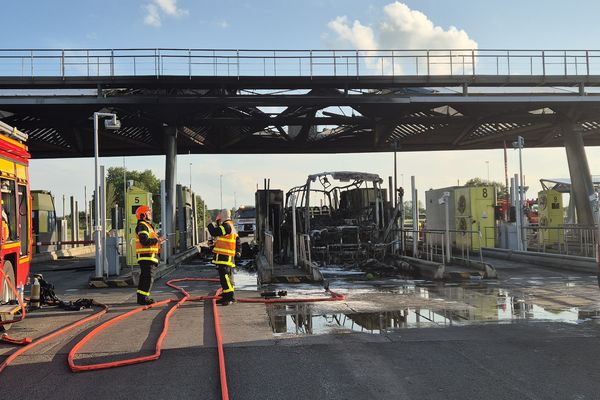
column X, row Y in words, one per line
column 35, row 221
column 23, row 219
column 51, row 224
column 7, row 188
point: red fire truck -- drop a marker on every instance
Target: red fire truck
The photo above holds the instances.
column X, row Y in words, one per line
column 15, row 226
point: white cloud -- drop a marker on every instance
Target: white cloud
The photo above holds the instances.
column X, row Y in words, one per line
column 400, row 28
column 223, row 24
column 155, row 9
column 170, row 7
column 152, row 16
column 357, row 35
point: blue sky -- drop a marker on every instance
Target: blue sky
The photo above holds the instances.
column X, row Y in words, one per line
column 307, row 24
column 286, row 24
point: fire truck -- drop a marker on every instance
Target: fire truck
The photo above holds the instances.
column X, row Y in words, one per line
column 15, row 226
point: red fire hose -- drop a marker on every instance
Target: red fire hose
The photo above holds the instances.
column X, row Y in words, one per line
column 52, row 335
column 186, row 297
column 158, row 345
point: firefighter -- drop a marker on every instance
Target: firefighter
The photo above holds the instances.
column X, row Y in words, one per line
column 147, row 248
column 225, row 250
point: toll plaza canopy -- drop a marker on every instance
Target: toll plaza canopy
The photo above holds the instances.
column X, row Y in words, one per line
column 298, row 101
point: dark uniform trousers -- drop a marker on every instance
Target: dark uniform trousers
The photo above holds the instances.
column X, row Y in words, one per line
column 147, row 273
column 227, row 283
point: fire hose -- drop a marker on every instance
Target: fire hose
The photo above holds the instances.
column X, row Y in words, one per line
column 136, row 360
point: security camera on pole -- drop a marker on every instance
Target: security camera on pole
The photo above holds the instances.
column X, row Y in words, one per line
column 113, row 124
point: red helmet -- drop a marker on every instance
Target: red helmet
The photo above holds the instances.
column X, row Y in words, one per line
column 142, row 210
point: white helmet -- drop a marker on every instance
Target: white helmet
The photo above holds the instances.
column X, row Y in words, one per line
column 225, row 214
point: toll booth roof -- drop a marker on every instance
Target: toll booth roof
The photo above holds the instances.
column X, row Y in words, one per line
column 563, row 185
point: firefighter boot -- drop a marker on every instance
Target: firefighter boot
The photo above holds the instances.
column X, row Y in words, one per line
column 144, row 300
column 226, row 299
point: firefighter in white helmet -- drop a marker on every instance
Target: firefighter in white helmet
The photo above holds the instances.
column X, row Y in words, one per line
column 226, row 249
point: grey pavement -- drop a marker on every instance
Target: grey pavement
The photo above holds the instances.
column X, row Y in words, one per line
column 475, row 350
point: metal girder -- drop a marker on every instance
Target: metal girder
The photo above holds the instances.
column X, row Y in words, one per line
column 296, row 82
column 507, row 134
column 220, row 116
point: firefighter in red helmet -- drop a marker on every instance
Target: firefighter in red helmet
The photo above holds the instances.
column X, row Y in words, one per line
column 147, row 249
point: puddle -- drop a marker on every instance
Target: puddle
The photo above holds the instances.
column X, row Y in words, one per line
column 298, row 320
column 428, row 304
column 385, row 304
column 245, row 280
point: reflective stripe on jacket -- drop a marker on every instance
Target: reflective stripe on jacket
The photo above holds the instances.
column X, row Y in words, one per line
column 225, row 244
column 147, row 252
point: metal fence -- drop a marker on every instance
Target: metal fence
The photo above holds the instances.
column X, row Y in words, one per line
column 572, row 240
column 431, row 244
column 309, row 63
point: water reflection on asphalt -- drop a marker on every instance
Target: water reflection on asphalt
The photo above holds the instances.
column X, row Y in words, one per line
column 379, row 306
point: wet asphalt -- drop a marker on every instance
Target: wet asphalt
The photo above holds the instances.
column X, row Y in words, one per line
column 531, row 334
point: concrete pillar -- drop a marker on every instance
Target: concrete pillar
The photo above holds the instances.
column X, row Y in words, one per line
column 170, row 174
column 163, row 217
column 579, row 170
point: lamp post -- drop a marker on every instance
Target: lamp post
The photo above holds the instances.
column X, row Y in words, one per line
column 519, row 145
column 488, row 170
column 113, row 123
column 221, row 189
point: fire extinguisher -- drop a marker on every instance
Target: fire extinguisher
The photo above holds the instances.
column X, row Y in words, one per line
column 35, row 293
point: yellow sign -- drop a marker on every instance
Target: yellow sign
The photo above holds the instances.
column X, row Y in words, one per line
column 135, row 197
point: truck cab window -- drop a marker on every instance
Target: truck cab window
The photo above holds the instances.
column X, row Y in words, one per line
column 24, row 219
column 9, row 214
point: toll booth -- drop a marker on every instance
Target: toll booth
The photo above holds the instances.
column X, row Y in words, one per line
column 185, row 217
column 44, row 223
column 435, row 214
column 135, row 197
column 474, row 216
column 551, row 217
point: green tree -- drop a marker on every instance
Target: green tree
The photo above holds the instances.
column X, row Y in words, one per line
column 500, row 187
column 408, row 208
column 200, row 214
column 143, row 179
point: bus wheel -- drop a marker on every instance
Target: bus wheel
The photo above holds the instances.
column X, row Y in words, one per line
column 7, row 294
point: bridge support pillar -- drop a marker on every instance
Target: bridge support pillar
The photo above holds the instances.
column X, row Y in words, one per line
column 579, row 170
column 170, row 174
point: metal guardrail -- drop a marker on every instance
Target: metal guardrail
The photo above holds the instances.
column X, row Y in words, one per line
column 308, row 63
column 431, row 244
column 571, row 240
column 568, row 239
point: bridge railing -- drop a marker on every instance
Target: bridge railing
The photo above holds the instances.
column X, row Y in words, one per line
column 306, row 63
